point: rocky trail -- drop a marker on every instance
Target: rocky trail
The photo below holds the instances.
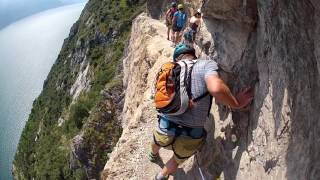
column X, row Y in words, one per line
column 148, row 49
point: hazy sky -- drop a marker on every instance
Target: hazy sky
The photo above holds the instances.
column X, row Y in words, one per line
column 13, row 10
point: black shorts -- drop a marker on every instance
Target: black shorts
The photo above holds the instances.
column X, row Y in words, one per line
column 176, row 29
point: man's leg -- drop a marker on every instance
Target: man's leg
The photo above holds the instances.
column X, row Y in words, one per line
column 172, row 35
column 170, row 167
column 174, row 38
column 155, row 148
column 183, row 147
column 168, row 33
column 179, row 36
column 154, row 155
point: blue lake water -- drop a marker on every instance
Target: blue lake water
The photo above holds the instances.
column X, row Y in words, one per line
column 28, row 48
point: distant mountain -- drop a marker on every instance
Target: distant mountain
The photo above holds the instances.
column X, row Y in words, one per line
column 13, row 10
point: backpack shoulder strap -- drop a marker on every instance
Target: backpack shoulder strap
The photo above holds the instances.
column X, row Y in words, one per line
column 187, row 81
column 189, row 89
column 184, row 99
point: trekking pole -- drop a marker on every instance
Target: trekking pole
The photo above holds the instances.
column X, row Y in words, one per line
column 202, row 176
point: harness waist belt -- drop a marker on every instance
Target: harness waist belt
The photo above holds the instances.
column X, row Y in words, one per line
column 167, row 125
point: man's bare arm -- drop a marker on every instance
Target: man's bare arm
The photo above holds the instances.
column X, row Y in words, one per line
column 218, row 89
column 167, row 14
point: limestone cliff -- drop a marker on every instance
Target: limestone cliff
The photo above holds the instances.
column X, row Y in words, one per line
column 147, row 50
column 272, row 46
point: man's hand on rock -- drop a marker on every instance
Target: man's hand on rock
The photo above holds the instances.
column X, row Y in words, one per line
column 244, row 97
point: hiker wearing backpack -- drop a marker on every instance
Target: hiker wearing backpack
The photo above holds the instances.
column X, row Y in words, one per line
column 178, row 24
column 183, row 97
column 189, row 35
column 169, row 17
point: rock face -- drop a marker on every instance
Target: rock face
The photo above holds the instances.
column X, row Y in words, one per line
column 272, row 46
column 155, row 8
column 99, row 135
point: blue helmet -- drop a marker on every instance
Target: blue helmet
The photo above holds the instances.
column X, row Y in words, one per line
column 183, row 49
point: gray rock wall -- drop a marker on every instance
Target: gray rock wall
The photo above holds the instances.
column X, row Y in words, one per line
column 155, row 8
column 274, row 47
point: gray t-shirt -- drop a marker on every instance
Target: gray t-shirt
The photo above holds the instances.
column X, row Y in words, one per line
column 197, row 115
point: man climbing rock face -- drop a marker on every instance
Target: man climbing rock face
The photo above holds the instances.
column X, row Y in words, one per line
column 181, row 128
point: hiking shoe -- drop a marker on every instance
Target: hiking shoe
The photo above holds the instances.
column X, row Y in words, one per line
column 161, row 178
column 154, row 157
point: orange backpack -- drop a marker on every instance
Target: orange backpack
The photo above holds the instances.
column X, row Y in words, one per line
column 164, row 86
column 173, row 87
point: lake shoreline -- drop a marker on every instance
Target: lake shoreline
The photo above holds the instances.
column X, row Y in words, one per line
column 28, row 48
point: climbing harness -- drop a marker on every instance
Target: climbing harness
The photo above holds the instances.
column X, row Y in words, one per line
column 166, row 125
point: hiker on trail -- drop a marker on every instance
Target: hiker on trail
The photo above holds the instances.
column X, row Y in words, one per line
column 178, row 24
column 189, row 35
column 169, row 17
column 183, row 98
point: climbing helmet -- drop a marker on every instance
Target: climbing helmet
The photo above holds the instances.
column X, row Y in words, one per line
column 183, row 49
